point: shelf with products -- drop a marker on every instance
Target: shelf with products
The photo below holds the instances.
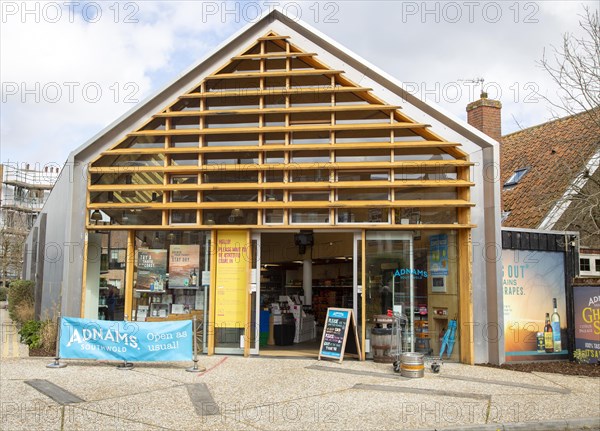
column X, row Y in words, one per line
column 168, row 303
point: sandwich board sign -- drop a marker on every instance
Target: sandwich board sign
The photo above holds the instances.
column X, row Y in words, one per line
column 336, row 338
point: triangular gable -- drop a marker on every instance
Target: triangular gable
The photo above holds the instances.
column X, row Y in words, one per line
column 271, row 97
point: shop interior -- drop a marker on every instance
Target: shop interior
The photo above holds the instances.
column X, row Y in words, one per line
column 411, row 275
column 301, row 275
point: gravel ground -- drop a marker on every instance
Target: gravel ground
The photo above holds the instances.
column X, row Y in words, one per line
column 555, row 367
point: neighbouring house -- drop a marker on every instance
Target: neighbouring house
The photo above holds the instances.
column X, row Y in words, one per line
column 549, row 176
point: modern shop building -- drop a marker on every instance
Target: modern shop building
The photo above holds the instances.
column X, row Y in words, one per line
column 281, row 166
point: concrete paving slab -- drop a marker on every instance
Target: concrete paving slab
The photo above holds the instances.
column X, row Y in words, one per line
column 54, row 392
column 202, row 400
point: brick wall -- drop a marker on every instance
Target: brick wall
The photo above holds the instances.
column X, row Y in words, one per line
column 485, row 115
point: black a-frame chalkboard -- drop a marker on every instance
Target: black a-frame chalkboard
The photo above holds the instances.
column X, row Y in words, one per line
column 336, row 341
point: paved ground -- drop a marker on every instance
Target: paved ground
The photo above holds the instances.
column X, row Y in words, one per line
column 284, row 394
column 11, row 348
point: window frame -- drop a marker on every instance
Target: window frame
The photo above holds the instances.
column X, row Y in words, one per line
column 516, row 177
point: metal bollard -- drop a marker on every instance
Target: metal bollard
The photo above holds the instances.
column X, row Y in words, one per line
column 56, row 363
column 195, row 368
column 125, row 366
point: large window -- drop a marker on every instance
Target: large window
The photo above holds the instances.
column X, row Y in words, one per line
column 171, row 278
column 414, row 275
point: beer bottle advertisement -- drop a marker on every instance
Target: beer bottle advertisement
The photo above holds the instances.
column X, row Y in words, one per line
column 533, row 284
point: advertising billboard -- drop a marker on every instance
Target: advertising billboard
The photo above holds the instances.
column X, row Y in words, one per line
column 587, row 323
column 535, row 323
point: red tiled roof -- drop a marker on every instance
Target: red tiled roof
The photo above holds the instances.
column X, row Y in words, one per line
column 555, row 153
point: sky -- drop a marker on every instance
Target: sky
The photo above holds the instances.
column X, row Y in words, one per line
column 70, row 68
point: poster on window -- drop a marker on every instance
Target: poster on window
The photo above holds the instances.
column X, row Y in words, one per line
column 535, row 323
column 151, row 269
column 184, row 266
column 231, row 279
column 587, row 323
column 438, row 254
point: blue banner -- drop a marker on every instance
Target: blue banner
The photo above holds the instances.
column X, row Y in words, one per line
column 125, row 341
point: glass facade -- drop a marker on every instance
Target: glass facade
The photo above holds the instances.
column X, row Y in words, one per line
column 415, row 277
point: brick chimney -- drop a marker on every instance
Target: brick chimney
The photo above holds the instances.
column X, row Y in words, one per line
column 484, row 115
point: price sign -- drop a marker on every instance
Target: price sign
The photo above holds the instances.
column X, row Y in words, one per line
column 335, row 342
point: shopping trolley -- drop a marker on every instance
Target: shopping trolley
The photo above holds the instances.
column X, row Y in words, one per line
column 402, row 343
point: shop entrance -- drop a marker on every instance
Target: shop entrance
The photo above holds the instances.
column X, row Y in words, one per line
column 299, row 275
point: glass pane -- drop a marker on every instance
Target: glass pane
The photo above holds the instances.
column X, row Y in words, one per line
column 426, row 215
column 183, row 216
column 184, row 160
column 309, row 196
column 418, row 193
column 230, row 196
column 231, row 177
column 310, row 216
column 108, row 291
column 185, row 123
column 363, row 195
column 185, row 141
column 229, row 217
column 415, row 275
column 310, row 156
column 273, row 216
column 362, row 155
column 310, row 175
column 231, row 158
column 173, row 286
column 134, row 216
column 184, row 196
column 363, row 215
column 363, row 175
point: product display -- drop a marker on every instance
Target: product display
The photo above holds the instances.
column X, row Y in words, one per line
column 540, row 342
column 555, row 322
column 548, row 336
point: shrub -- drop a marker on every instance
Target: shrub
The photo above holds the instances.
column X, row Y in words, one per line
column 24, row 312
column 20, row 292
column 48, row 334
column 3, row 293
column 30, row 333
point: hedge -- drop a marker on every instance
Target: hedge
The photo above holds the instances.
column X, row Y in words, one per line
column 20, row 292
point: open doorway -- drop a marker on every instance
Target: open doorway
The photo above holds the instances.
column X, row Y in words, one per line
column 301, row 275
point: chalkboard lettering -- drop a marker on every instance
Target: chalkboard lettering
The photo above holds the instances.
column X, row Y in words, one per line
column 335, row 341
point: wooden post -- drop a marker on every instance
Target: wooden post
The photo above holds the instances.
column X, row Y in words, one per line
column 213, row 291
column 248, row 319
column 363, row 280
column 129, row 270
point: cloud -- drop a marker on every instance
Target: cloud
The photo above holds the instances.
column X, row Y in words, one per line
column 99, row 65
column 64, row 81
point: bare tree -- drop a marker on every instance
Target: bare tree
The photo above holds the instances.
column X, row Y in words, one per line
column 575, row 69
column 13, row 231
